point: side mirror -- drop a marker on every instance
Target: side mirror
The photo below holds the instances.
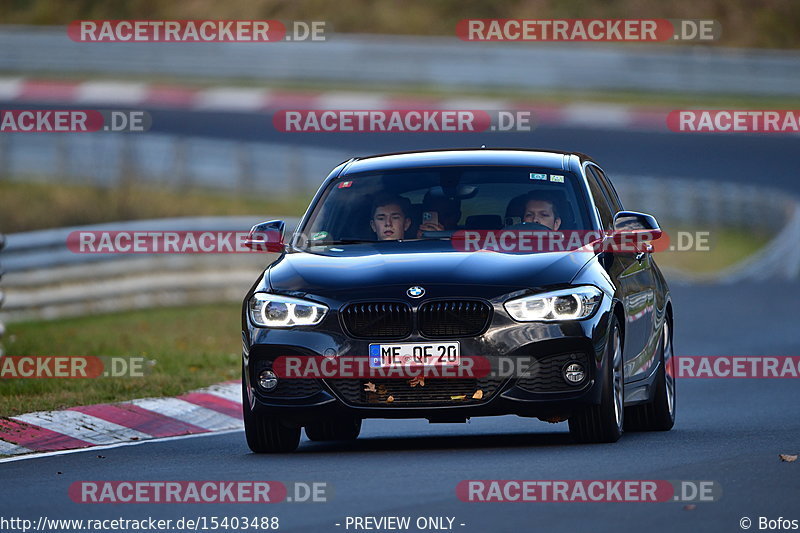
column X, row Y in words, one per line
column 266, row 236
column 633, row 231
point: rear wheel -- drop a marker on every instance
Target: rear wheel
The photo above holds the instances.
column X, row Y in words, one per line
column 659, row 413
column 267, row 434
column 334, row 429
column 604, row 422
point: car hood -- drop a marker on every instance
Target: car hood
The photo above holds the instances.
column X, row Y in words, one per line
column 364, row 267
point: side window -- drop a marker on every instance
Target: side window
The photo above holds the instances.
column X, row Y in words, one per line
column 600, row 198
column 616, row 204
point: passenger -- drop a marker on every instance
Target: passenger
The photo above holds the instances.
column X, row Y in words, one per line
column 541, row 209
column 447, row 214
column 390, row 217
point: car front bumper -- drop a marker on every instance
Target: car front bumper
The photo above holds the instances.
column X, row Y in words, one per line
column 504, row 342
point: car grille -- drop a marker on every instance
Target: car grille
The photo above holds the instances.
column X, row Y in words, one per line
column 437, row 319
column 399, row 392
column 546, row 374
column 453, row 318
column 377, row 320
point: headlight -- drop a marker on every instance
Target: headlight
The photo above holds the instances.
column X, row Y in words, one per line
column 273, row 311
column 566, row 304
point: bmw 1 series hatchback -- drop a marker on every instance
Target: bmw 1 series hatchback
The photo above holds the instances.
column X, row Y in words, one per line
column 445, row 285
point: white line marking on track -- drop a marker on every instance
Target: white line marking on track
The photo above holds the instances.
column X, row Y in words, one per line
column 117, row 445
column 189, row 413
column 10, row 88
column 7, row 448
column 597, row 115
column 232, row 98
column 351, row 100
column 232, row 393
column 485, row 104
column 111, row 92
column 81, row 426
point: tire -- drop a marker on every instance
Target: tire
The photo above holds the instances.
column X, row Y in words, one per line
column 605, row 422
column 334, row 429
column 267, row 434
column 659, row 413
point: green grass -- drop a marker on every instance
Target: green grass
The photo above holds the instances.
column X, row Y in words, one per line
column 26, row 206
column 767, row 23
column 192, row 347
column 727, row 247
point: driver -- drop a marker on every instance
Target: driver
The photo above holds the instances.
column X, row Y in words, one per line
column 390, row 218
column 541, row 209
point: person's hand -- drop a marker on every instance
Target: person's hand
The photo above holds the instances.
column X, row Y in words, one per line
column 428, row 226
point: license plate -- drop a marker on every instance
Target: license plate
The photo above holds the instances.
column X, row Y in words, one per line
column 414, row 354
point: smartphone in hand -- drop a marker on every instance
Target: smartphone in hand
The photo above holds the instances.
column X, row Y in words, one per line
column 430, row 217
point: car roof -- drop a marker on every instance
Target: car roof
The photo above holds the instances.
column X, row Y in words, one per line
column 482, row 156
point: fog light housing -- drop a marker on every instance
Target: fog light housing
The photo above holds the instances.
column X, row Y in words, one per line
column 267, row 380
column 574, row 373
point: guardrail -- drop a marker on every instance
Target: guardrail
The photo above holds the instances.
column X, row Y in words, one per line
column 282, row 170
column 177, row 162
column 45, row 280
column 439, row 62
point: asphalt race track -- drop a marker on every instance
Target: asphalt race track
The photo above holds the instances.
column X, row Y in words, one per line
column 728, row 430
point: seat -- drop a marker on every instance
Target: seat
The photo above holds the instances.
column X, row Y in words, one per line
column 355, row 224
column 486, row 222
column 416, row 220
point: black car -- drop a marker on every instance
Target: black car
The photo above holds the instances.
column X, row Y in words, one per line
column 378, row 271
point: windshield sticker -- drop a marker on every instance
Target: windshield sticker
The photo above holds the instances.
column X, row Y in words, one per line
column 319, row 235
column 538, row 176
column 556, row 178
column 344, row 185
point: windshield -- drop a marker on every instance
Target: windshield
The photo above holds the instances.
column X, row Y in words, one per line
column 435, row 202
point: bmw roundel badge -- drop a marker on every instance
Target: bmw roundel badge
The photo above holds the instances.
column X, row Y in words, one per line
column 415, row 291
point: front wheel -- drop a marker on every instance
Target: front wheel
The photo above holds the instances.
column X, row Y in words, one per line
column 659, row 413
column 604, row 422
column 266, row 434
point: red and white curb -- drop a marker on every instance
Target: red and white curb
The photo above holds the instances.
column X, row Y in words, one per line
column 213, row 409
column 250, row 100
